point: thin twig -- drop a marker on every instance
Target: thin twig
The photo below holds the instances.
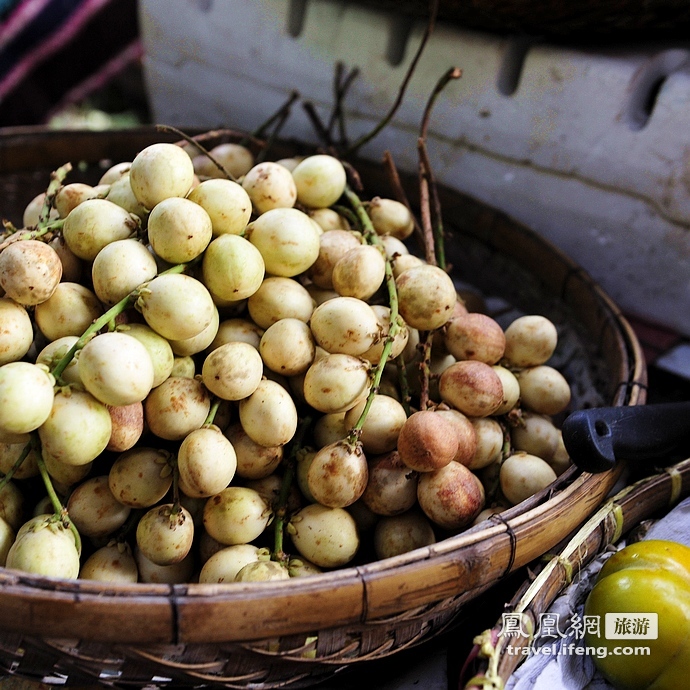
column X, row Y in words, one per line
column 321, row 129
column 403, row 88
column 394, row 179
column 432, row 218
column 279, row 116
column 353, row 176
column 405, row 397
column 399, row 193
column 342, row 135
column 426, row 340
column 425, row 208
column 450, row 75
column 431, row 208
column 229, row 135
column 342, row 83
column 177, row 505
column 263, row 154
column 191, row 140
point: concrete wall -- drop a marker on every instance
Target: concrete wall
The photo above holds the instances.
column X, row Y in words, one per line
column 589, row 148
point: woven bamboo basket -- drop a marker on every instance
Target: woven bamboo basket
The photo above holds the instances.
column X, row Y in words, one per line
column 296, row 633
column 490, row 663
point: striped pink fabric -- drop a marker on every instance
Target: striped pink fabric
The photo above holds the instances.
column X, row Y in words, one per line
column 20, row 17
column 63, row 35
column 99, row 79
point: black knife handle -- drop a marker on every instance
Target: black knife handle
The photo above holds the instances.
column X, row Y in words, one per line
column 596, row 438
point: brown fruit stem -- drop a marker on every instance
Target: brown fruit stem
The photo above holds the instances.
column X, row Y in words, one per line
column 280, row 117
column 404, row 385
column 399, row 192
column 177, row 506
column 433, row 12
column 425, row 209
column 318, row 125
column 341, row 84
column 425, row 368
column 430, row 203
column 224, row 133
column 205, row 152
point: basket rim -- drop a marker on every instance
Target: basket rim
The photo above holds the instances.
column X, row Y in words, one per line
column 194, row 612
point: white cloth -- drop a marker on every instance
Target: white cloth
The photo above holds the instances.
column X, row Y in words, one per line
column 564, row 670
